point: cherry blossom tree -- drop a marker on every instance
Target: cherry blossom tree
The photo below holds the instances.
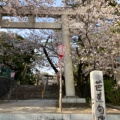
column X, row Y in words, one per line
column 93, row 32
column 95, row 42
column 16, row 54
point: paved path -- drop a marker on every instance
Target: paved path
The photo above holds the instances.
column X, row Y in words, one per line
column 45, row 106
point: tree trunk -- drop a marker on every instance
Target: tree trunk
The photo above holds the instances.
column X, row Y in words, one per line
column 51, row 63
column 79, row 80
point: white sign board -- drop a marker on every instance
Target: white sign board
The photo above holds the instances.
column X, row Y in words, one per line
column 97, row 95
column 12, row 74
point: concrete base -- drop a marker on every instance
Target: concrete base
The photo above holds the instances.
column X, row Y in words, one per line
column 52, row 116
column 73, row 99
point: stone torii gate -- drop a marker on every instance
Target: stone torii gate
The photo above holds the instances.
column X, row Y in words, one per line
column 62, row 13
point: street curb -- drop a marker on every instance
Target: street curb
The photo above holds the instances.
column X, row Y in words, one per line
column 112, row 106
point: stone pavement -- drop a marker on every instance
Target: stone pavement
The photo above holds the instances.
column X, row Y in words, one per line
column 47, row 106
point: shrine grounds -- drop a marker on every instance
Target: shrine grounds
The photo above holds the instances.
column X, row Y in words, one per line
column 48, row 110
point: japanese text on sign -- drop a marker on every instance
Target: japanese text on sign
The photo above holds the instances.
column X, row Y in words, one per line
column 98, row 99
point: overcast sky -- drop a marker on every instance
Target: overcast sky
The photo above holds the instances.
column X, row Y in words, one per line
column 118, row 1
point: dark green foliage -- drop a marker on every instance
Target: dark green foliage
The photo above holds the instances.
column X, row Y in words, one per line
column 16, row 58
column 112, row 3
column 117, row 30
column 112, row 93
column 4, row 86
column 117, row 12
column 82, row 81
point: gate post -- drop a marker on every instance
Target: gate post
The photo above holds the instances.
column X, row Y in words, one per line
column 68, row 68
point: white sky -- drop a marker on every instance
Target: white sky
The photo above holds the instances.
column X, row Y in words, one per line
column 118, row 1
column 58, row 2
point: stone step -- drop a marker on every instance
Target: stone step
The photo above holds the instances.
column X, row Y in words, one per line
column 34, row 92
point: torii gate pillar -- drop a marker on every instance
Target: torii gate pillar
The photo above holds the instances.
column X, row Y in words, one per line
column 68, row 68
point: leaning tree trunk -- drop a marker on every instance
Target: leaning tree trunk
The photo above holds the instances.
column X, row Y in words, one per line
column 51, row 63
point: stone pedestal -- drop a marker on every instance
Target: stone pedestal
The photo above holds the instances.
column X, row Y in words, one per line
column 73, row 100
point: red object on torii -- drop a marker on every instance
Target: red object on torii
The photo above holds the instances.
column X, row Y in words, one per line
column 61, row 50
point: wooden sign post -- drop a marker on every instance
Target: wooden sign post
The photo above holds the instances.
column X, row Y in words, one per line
column 97, row 95
column 61, row 51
